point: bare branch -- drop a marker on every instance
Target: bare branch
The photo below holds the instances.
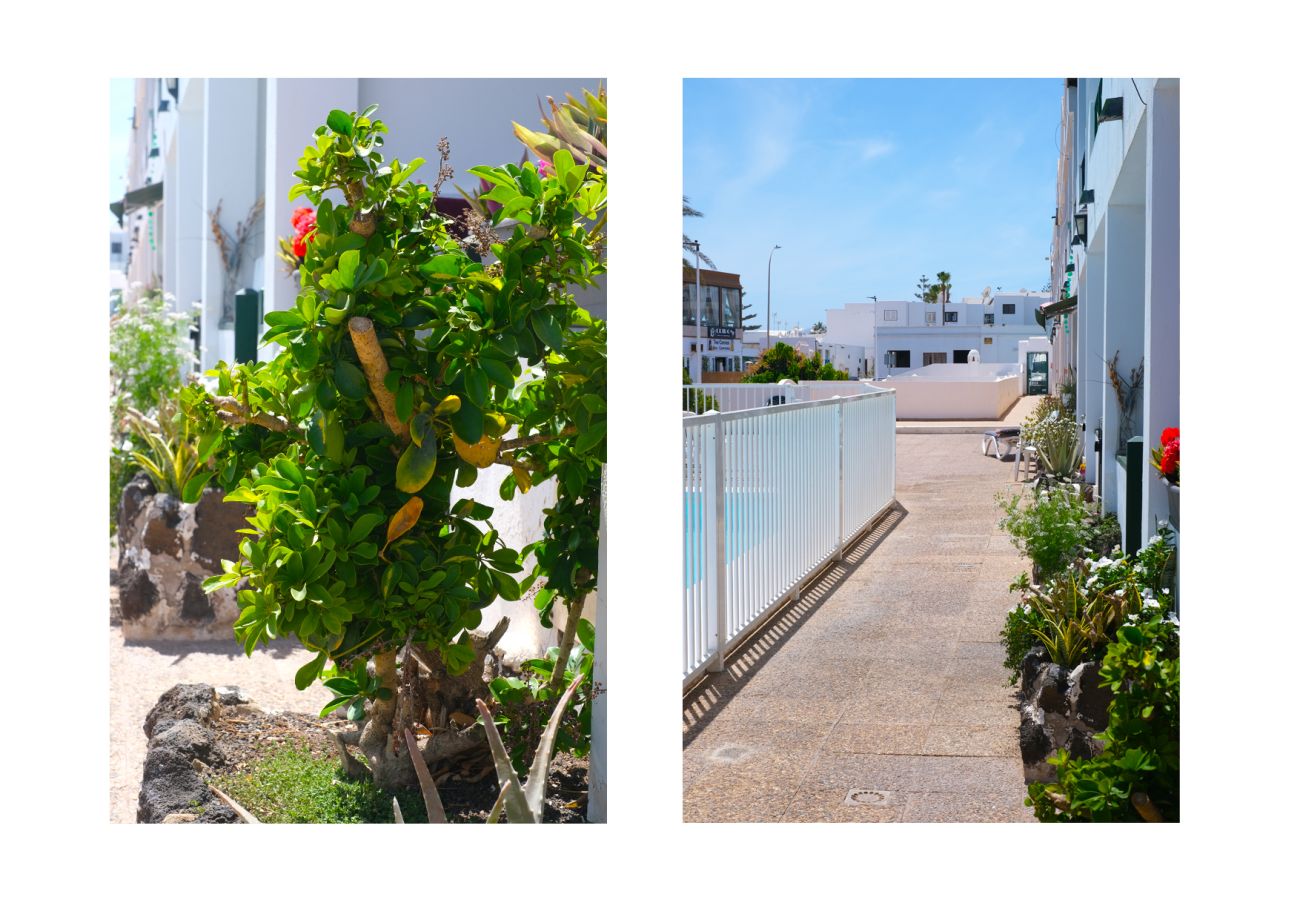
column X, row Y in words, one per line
column 375, row 366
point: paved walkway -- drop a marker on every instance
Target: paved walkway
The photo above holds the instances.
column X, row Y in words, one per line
column 880, row 696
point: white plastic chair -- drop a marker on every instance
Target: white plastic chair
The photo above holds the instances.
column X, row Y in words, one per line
column 1027, row 452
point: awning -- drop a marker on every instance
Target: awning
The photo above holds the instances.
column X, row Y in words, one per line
column 139, row 198
column 1060, row 306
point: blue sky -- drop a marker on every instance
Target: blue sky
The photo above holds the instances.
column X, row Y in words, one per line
column 869, row 184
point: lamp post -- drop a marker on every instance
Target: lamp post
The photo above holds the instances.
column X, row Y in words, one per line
column 699, row 317
column 769, row 295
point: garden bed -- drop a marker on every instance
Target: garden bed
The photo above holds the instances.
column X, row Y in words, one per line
column 267, row 756
column 283, row 767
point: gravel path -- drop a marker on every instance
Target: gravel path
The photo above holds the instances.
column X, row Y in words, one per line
column 141, row 671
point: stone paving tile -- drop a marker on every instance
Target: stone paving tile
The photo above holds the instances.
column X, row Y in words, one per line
column 971, row 740
column 894, row 709
column 796, row 711
column 877, row 739
column 967, row 774
column 943, row 807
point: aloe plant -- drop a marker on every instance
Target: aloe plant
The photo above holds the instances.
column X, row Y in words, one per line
column 581, row 127
column 1060, row 452
column 174, row 460
column 526, row 803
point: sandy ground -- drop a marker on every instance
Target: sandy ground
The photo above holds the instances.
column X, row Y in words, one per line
column 141, row 671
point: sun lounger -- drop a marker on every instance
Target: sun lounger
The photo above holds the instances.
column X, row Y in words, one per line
column 1001, row 439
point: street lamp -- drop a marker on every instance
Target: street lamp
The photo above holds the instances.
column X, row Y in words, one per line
column 699, row 340
column 769, row 295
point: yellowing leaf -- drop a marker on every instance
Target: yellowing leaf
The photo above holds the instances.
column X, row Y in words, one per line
column 494, row 424
column 415, row 466
column 403, row 520
column 448, row 405
column 522, row 478
column 481, row 454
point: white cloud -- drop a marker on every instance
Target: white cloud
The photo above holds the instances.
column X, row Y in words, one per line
column 873, row 148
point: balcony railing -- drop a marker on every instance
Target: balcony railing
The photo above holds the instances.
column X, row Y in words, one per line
column 770, row 496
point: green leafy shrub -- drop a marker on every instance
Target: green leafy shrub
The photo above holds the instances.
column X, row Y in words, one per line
column 1104, row 535
column 406, row 360
column 1048, row 526
column 524, row 704
column 148, row 355
column 781, row 361
column 1048, row 415
column 1135, row 777
column 1018, row 636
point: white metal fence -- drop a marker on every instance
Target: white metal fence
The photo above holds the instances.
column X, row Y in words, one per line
column 770, row 495
column 700, row 398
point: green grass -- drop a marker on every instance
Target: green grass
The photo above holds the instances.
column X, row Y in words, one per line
column 290, row 786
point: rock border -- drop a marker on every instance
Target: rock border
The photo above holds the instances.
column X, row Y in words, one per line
column 181, row 745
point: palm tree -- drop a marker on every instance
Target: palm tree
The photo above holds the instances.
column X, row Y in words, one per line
column 944, row 284
column 689, row 211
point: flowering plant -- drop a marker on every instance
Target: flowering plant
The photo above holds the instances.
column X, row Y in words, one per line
column 1165, row 457
column 292, row 252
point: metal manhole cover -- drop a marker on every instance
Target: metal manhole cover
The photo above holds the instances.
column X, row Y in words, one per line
column 865, row 797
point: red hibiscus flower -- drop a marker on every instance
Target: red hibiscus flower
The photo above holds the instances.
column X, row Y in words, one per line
column 303, row 219
column 1169, row 434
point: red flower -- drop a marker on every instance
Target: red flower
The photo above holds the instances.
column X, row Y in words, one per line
column 303, row 219
column 300, row 244
column 1169, row 434
column 1169, row 459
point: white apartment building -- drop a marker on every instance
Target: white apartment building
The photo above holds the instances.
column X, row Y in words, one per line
column 1115, row 279
column 906, row 334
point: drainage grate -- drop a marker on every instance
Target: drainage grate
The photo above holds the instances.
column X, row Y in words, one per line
column 865, row 797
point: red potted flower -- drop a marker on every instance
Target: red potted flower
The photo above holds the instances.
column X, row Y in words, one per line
column 1165, row 459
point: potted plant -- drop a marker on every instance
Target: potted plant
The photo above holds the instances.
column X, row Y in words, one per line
column 1165, row 459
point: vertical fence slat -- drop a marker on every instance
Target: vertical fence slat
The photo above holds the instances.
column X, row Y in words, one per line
column 771, row 493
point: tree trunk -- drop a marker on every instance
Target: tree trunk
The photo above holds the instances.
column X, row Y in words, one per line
column 573, row 614
column 429, row 700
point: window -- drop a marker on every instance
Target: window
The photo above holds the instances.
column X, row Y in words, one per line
column 117, row 246
column 891, row 315
column 1008, row 309
column 731, row 306
column 900, row 359
column 929, row 318
column 961, row 356
column 988, row 318
column 988, row 341
column 688, row 303
column 930, row 359
column 950, row 316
